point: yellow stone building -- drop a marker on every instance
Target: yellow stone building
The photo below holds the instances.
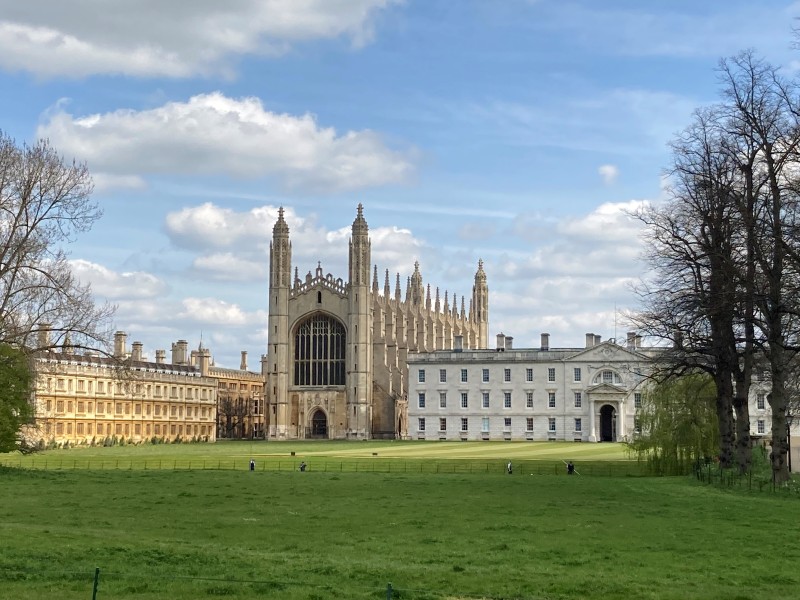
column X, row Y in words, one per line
column 241, row 410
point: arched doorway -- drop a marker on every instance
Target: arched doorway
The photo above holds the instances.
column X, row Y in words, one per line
column 608, row 423
column 319, row 424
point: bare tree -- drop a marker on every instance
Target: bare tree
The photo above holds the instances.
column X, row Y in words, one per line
column 44, row 203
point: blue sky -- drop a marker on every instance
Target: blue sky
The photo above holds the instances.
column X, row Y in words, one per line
column 516, row 131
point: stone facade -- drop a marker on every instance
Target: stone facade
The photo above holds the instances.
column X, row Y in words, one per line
column 337, row 349
column 241, row 408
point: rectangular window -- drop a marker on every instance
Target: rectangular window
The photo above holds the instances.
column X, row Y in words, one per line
column 421, row 424
column 442, row 424
column 137, row 409
column 464, row 424
column 506, row 374
column 578, row 399
column 760, row 404
column 485, row 375
column 442, row 375
column 551, row 374
column 506, row 399
column 528, row 399
column 464, row 400
column 81, row 385
column 79, row 429
column 101, row 387
column 529, row 424
column 608, row 377
column 80, row 406
column 551, row 400
column 69, row 406
column 578, row 424
column 760, row 426
column 551, row 424
column 576, row 374
column 463, row 375
column 637, row 400
column 421, row 376
column 442, row 399
column 421, row 399
column 99, row 407
column 637, row 426
column 485, row 425
column 60, row 406
column 528, row 374
column 485, row 399
column 507, row 423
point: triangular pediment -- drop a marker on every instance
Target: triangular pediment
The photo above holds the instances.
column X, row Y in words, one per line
column 606, row 388
column 606, row 352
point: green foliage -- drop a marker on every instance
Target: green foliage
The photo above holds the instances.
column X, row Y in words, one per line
column 16, row 409
column 679, row 426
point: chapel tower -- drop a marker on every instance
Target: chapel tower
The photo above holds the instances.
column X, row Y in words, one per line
column 480, row 306
column 280, row 267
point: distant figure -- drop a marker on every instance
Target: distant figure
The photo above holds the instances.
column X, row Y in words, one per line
column 252, row 465
column 303, row 466
column 570, row 468
column 509, row 468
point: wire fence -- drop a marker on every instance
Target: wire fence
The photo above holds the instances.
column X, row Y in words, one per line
column 751, row 480
column 101, row 584
column 326, row 464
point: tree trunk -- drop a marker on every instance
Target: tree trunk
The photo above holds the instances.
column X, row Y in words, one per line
column 725, row 416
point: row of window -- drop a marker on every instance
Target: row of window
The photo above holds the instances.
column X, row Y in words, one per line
column 507, row 424
column 124, row 429
column 605, row 376
column 119, row 408
column 486, row 400
column 120, row 388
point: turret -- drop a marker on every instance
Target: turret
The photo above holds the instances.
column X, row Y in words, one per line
column 359, row 338
column 479, row 310
column 280, row 270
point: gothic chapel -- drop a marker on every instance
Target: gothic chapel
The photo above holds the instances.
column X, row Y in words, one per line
column 337, row 349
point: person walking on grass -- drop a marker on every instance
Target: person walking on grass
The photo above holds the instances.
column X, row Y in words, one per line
column 509, row 468
column 570, row 468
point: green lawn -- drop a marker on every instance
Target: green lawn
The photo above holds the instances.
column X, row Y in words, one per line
column 284, row 534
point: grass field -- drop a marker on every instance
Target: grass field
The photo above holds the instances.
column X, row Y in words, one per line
column 184, row 534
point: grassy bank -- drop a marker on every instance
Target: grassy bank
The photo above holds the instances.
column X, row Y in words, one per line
column 196, row 534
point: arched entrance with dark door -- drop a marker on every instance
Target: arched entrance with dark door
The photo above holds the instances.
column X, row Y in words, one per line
column 319, row 424
column 608, row 423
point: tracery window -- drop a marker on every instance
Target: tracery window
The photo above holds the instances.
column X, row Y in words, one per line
column 319, row 352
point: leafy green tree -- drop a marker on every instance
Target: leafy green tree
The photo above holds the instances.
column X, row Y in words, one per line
column 16, row 409
column 678, row 424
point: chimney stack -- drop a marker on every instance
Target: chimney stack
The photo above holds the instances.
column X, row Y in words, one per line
column 630, row 342
column 501, row 342
column 589, row 340
column 545, row 341
column 136, row 351
column 243, row 363
column 509, row 342
column 161, row 356
column 119, row 344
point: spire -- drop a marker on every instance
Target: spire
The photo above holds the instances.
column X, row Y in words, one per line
column 408, row 290
column 446, row 302
column 416, row 285
column 387, row 289
column 375, row 280
column 360, row 251
column 296, row 277
column 428, row 298
column 437, row 305
column 280, row 228
column 360, row 224
column 397, row 288
column 463, row 313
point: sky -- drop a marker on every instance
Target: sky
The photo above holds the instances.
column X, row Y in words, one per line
column 519, row 132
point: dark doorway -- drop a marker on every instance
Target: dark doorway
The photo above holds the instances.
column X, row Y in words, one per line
column 319, row 424
column 608, row 423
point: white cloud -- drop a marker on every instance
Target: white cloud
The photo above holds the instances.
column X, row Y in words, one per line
column 609, row 173
column 165, row 39
column 214, row 134
column 114, row 286
column 217, row 312
column 229, row 267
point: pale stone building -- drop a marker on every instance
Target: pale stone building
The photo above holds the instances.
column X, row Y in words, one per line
column 85, row 398
column 337, row 349
column 241, row 408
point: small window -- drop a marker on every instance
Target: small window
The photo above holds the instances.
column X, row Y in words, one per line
column 442, row 399
column 421, row 376
column 551, row 374
column 760, row 426
column 463, row 375
column 529, row 424
column 442, row 375
column 637, row 426
column 507, row 423
column 528, row 374
column 485, row 375
column 464, row 400
column 578, row 399
column 637, row 400
column 608, row 376
column 421, row 424
column 464, row 424
column 442, row 424
column 506, row 399
column 528, row 399
column 551, row 424
column 578, row 425
column 506, row 374
column 485, row 399
column 576, row 374
column 485, row 425
column 760, row 404
column 421, row 399
column 551, row 400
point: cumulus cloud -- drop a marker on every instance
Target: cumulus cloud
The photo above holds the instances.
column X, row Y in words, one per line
column 215, row 134
column 163, row 39
column 608, row 173
column 228, row 267
column 214, row 311
column 113, row 285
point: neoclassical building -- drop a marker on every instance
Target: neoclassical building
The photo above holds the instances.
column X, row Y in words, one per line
column 337, row 348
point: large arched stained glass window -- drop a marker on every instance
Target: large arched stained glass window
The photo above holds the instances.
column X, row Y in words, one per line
column 319, row 348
